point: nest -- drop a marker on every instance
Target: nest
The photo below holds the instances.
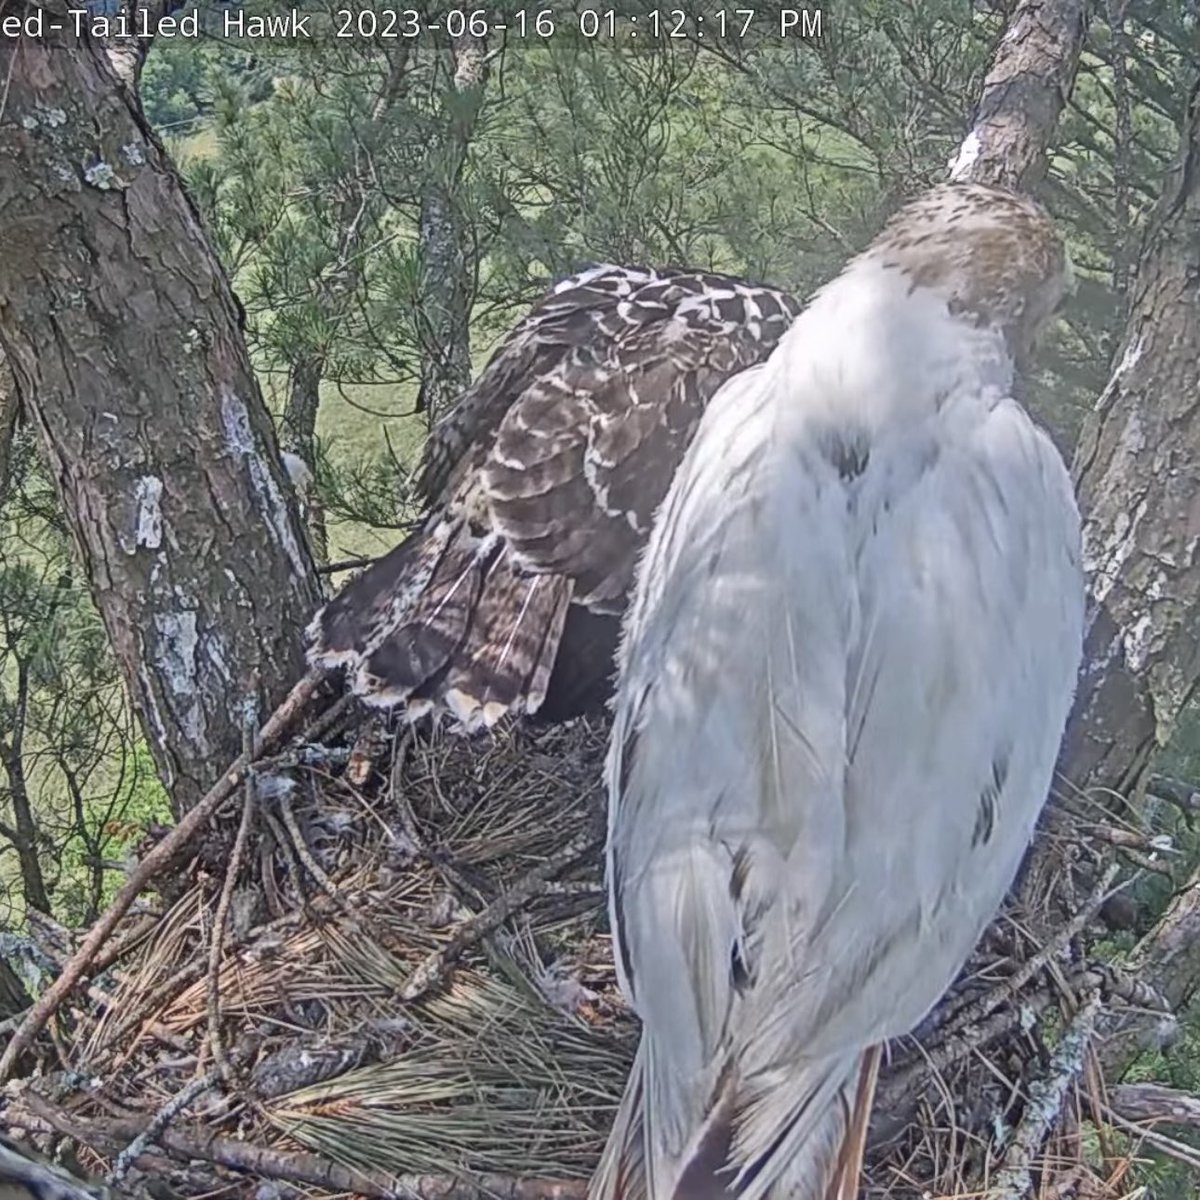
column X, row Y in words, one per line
column 385, row 970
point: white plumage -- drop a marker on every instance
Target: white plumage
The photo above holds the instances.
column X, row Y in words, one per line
column 845, row 675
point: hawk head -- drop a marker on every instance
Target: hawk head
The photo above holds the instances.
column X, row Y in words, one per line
column 996, row 257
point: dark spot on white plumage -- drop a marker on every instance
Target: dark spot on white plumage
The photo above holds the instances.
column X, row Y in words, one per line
column 989, row 801
column 849, row 450
column 739, row 971
column 618, row 879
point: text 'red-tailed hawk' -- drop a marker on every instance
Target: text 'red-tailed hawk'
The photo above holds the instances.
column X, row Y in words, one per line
column 544, row 481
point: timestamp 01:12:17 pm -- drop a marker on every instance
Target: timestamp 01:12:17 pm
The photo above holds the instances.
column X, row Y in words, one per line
column 599, row 24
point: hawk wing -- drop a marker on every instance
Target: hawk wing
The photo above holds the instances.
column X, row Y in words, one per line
column 544, row 480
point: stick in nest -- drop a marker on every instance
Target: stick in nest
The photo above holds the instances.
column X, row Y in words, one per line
column 216, row 945
column 158, row 1123
column 300, row 855
column 156, row 860
column 299, row 1167
column 433, row 969
column 974, row 1012
column 1046, row 1096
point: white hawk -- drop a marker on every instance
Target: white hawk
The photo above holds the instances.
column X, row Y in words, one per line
column 845, row 673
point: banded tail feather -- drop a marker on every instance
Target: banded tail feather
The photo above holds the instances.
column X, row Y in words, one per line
column 447, row 619
column 544, row 480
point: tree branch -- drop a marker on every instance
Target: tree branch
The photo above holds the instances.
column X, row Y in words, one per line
column 1046, row 1096
column 1026, row 87
column 10, row 406
column 1152, row 1102
column 302, row 1168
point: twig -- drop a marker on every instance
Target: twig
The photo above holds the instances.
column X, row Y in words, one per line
column 1126, row 839
column 217, row 942
column 978, row 1009
column 1113, row 982
column 952, row 1046
column 433, row 968
column 158, row 1123
column 1154, row 1102
column 156, row 860
column 300, row 855
column 1046, row 1096
column 130, row 941
column 330, row 717
column 1175, row 791
column 1177, row 1150
column 303, row 1168
column 344, row 564
column 310, row 864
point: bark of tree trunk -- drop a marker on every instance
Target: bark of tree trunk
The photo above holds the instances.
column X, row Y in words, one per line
column 1023, row 94
column 446, row 285
column 1137, row 469
column 299, row 435
column 10, row 406
column 127, row 53
column 125, row 341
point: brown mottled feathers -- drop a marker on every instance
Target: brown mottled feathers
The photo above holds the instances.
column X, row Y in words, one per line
column 544, row 480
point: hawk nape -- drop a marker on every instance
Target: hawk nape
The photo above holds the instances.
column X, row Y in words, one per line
column 845, row 673
column 544, row 480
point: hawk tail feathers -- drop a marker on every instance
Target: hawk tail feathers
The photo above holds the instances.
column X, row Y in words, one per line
column 621, row 1173
column 504, row 663
column 816, row 1156
column 446, row 620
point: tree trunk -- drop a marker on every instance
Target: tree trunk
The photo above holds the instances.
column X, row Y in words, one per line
column 446, row 282
column 299, row 423
column 1027, row 85
column 127, row 52
column 1137, row 469
column 10, row 406
column 299, row 435
column 125, row 341
column 25, row 834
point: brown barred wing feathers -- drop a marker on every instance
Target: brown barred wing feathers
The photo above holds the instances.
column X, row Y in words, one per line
column 544, row 481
